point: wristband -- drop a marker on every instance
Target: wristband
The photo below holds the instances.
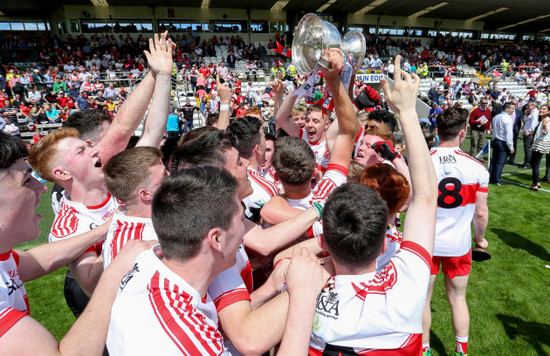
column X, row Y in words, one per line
column 224, row 107
column 318, row 208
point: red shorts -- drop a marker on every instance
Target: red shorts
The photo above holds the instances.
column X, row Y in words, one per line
column 453, row 266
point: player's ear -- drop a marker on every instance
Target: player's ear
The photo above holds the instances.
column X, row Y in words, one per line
column 215, row 239
column 61, row 174
column 145, row 195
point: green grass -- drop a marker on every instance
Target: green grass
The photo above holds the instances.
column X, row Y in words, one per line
column 508, row 296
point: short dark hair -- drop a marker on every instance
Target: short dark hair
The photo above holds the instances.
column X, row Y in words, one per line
column 384, row 117
column 450, row 122
column 87, row 123
column 212, row 119
column 245, row 134
column 205, row 150
column 294, row 161
column 11, row 150
column 507, row 105
column 354, row 224
column 187, row 205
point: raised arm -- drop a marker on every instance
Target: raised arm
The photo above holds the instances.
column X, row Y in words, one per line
column 225, row 93
column 160, row 61
column 278, row 89
column 419, row 224
column 283, row 119
column 345, row 111
column 271, row 239
column 127, row 119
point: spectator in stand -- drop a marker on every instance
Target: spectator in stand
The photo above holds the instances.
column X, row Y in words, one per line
column 480, row 123
column 98, row 86
column 100, row 101
column 34, row 94
column 9, row 127
column 81, row 102
column 52, row 114
column 59, row 85
column 186, row 116
column 110, row 92
column 529, row 128
column 61, row 100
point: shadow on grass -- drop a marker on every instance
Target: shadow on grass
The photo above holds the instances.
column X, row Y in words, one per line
column 437, row 345
column 517, row 241
column 535, row 334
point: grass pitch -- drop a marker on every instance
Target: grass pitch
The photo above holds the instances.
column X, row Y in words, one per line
column 508, row 296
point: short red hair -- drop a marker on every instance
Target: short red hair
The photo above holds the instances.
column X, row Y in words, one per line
column 392, row 186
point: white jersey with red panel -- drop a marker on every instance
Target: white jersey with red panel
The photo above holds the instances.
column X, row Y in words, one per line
column 320, row 149
column 233, row 284
column 156, row 312
column 271, row 175
column 459, row 178
column 374, row 313
column 75, row 218
column 14, row 303
column 124, row 228
column 394, row 238
column 334, row 177
column 262, row 191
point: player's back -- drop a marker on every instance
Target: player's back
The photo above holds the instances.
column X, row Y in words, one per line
column 460, row 177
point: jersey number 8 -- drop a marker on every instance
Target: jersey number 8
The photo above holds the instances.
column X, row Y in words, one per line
column 450, row 195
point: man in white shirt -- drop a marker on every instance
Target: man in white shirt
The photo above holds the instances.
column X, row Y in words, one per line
column 503, row 142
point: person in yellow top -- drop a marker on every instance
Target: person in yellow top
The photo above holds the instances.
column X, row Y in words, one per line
column 504, row 67
column 111, row 106
column 422, row 70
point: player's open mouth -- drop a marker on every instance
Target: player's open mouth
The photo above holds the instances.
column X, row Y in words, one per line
column 98, row 164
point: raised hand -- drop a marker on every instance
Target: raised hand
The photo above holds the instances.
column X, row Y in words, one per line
column 159, row 55
column 336, row 63
column 224, row 91
column 277, row 86
column 403, row 96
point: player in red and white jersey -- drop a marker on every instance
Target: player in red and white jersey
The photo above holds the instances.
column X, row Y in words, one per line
column 75, row 218
column 247, row 136
column 14, row 303
column 20, row 192
column 133, row 176
column 463, row 190
column 159, row 312
column 76, row 165
column 314, row 129
column 354, row 219
column 199, row 239
column 125, row 228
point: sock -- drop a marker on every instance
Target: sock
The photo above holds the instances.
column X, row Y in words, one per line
column 425, row 346
column 462, row 344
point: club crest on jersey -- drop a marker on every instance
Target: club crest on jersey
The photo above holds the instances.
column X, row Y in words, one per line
column 128, row 276
column 447, row 159
column 327, row 304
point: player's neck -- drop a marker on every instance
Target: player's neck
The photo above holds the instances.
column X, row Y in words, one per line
column 138, row 210
column 451, row 143
column 297, row 191
column 194, row 271
column 87, row 196
column 343, row 270
column 253, row 163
